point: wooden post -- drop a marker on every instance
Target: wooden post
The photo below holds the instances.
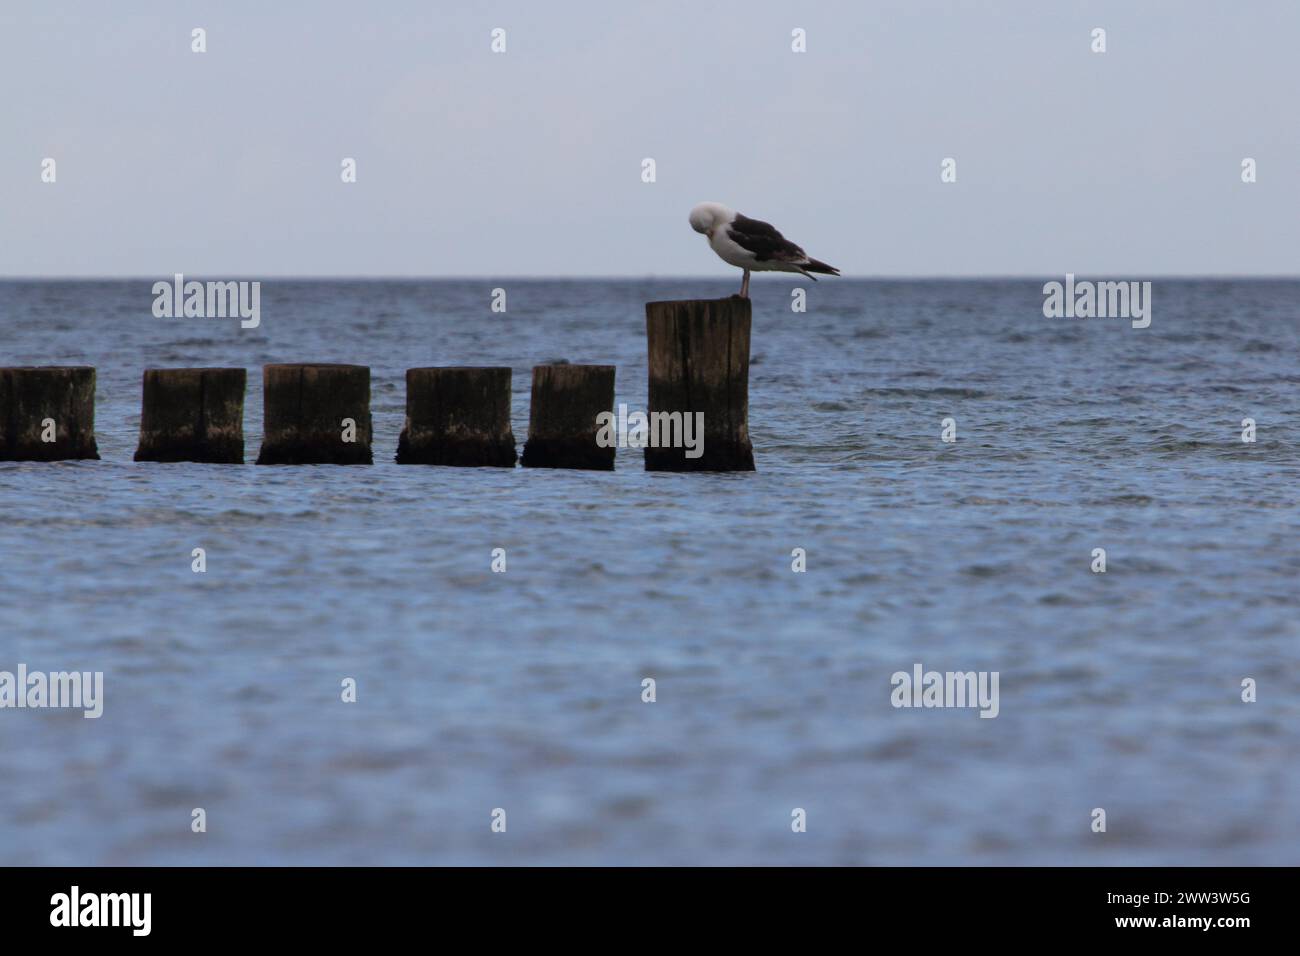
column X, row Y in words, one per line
column 457, row 416
column 562, row 419
column 316, row 415
column 47, row 414
column 699, row 363
column 193, row 414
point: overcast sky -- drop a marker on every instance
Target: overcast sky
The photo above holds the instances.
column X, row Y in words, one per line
column 529, row 162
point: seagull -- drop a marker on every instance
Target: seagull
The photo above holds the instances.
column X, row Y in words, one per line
column 752, row 245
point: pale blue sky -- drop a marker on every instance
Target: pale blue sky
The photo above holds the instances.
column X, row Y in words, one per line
column 528, row 163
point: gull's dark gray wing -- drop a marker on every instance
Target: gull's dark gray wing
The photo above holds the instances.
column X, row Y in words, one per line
column 762, row 239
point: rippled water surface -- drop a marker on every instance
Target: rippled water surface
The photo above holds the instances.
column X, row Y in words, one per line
column 523, row 690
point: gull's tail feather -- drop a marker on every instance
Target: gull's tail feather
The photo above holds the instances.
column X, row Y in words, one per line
column 814, row 265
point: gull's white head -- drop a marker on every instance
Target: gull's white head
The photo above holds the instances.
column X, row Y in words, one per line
column 708, row 216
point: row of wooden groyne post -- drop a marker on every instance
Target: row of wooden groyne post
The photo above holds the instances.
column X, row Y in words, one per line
column 320, row 413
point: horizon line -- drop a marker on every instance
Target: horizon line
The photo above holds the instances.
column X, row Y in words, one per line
column 411, row 277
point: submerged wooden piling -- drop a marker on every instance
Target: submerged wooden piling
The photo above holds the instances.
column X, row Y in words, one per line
column 457, row 416
column 47, row 414
column 699, row 364
column 562, row 423
column 192, row 414
column 316, row 415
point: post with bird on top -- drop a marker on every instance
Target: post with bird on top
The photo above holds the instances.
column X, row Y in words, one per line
column 699, row 368
column 699, row 349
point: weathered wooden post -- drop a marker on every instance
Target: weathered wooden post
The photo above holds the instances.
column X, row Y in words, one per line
column 316, row 415
column 47, row 414
column 457, row 416
column 193, row 414
column 699, row 365
column 562, row 423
